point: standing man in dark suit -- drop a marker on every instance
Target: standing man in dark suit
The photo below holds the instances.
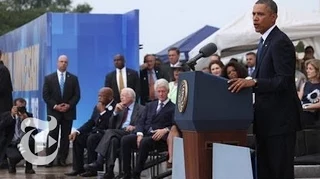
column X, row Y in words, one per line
column 277, row 107
column 90, row 133
column 5, row 88
column 5, row 96
column 61, row 92
column 173, row 55
column 151, row 132
column 148, row 77
column 122, row 77
column 11, row 126
column 123, row 122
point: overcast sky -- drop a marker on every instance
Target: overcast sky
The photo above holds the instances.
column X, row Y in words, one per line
column 163, row 22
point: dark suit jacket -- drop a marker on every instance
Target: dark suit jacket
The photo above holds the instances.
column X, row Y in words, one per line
column 97, row 123
column 157, row 121
column 277, row 106
column 116, row 121
column 144, row 82
column 7, row 130
column 5, row 89
column 132, row 82
column 52, row 95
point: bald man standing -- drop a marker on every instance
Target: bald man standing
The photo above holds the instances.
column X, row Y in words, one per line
column 61, row 92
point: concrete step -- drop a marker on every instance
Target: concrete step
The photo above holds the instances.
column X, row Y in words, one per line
column 307, row 171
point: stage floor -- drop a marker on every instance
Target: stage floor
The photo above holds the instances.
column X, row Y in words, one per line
column 41, row 173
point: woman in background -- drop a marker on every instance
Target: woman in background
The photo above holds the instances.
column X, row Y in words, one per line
column 309, row 93
column 234, row 70
column 216, row 67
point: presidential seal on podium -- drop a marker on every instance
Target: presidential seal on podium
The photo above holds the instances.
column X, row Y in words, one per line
column 182, row 96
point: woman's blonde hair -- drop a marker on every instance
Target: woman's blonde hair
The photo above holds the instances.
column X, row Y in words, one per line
column 316, row 64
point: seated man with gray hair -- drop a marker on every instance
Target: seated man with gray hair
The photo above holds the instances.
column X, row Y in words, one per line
column 151, row 131
column 123, row 122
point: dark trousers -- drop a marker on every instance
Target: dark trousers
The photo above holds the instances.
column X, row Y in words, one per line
column 129, row 143
column 15, row 155
column 65, row 125
column 89, row 141
column 110, row 144
column 275, row 156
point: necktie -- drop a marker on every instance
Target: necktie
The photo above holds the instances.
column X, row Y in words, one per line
column 250, row 71
column 161, row 106
column 151, row 86
column 259, row 52
column 125, row 115
column 61, row 83
column 121, row 83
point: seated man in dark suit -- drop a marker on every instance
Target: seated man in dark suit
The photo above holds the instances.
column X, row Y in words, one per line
column 151, row 131
column 10, row 124
column 123, row 122
column 89, row 134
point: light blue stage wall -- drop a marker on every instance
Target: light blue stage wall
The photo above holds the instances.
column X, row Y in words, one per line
column 89, row 40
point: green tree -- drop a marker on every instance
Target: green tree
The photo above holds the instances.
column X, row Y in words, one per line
column 15, row 13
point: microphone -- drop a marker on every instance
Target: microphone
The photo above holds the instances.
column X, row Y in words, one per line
column 205, row 51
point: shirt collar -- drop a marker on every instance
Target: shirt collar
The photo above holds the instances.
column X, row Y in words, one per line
column 131, row 106
column 123, row 69
column 164, row 102
column 266, row 34
column 59, row 72
column 176, row 64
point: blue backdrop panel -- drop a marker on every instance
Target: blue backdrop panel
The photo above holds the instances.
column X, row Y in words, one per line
column 26, row 55
column 89, row 40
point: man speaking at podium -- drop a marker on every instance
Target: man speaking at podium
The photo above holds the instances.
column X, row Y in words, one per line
column 277, row 107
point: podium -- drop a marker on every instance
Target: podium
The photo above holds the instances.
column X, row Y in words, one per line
column 207, row 112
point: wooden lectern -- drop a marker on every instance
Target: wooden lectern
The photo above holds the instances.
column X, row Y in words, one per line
column 208, row 112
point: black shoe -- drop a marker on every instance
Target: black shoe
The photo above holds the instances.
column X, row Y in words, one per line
column 124, row 176
column 88, row 174
column 93, row 167
column 74, row 173
column 135, row 175
column 62, row 163
column 11, row 166
column 4, row 164
column 29, row 171
column 108, row 175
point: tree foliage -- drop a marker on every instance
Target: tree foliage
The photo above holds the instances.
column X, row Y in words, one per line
column 15, row 13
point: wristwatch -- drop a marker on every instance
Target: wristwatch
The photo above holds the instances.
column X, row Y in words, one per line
column 255, row 82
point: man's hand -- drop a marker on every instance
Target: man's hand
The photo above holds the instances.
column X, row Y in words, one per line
column 119, row 107
column 22, row 116
column 238, row 83
column 58, row 107
column 139, row 138
column 101, row 107
column 159, row 133
column 130, row 128
column 73, row 136
column 65, row 107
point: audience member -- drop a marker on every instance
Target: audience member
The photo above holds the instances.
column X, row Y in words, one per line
column 216, row 67
column 122, row 77
column 251, row 62
column 234, row 70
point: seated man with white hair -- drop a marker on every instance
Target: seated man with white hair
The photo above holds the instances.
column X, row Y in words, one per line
column 123, row 122
column 151, row 131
